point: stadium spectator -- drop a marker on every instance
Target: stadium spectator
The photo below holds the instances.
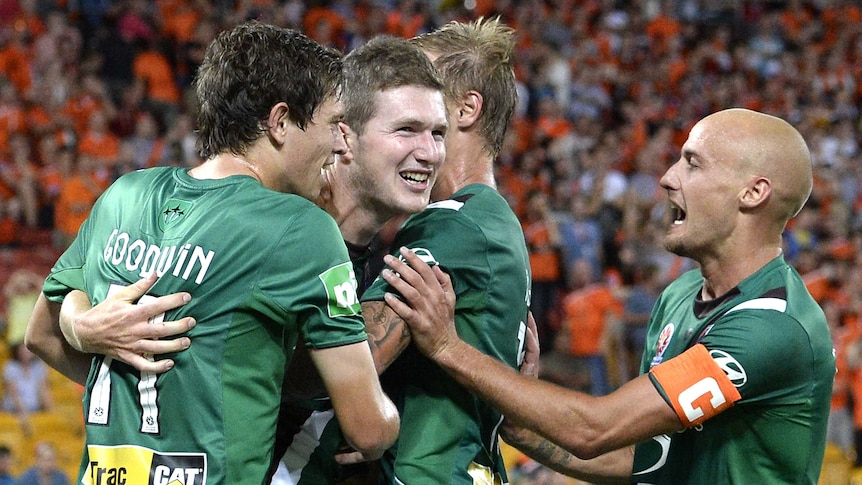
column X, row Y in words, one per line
column 77, row 195
column 21, row 173
column 6, row 462
column 590, row 309
column 153, row 70
column 20, row 294
column 25, row 385
column 44, row 470
column 542, row 235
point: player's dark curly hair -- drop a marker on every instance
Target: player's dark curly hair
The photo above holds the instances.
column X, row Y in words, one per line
column 384, row 62
column 249, row 69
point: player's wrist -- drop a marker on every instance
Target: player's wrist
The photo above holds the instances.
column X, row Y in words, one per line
column 72, row 337
column 447, row 352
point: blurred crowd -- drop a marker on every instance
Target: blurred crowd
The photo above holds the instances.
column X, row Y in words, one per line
column 91, row 89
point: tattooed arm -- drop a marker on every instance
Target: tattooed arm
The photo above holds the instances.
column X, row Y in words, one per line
column 612, row 467
column 388, row 335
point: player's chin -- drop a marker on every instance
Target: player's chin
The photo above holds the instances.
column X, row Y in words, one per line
column 676, row 245
column 414, row 202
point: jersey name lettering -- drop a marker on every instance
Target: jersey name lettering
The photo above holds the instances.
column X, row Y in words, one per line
column 137, row 255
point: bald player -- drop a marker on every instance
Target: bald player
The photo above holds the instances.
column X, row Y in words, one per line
column 738, row 365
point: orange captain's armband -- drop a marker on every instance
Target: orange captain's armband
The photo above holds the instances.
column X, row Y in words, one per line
column 697, row 387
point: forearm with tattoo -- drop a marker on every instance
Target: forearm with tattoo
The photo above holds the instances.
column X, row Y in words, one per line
column 612, row 468
column 388, row 335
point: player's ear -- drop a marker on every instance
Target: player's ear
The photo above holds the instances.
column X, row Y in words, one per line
column 469, row 109
column 278, row 122
column 350, row 137
column 756, row 193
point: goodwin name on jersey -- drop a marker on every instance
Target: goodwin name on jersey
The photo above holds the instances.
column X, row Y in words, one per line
column 139, row 255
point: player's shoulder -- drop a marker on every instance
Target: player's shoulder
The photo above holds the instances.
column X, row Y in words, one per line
column 152, row 173
column 475, row 202
column 143, row 178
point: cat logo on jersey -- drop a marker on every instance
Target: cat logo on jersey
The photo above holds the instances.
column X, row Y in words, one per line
column 172, row 212
column 340, row 283
column 136, row 465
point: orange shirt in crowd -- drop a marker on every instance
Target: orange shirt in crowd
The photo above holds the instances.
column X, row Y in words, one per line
column 79, row 108
column 554, row 126
column 39, row 120
column 399, row 25
column 663, row 28
column 15, row 66
column 9, row 228
column 323, row 25
column 102, row 147
column 77, row 196
column 518, row 185
column 12, row 120
column 180, row 24
column 585, row 314
column 544, row 258
column 153, row 68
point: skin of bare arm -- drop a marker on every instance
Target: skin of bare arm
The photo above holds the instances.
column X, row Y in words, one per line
column 583, row 425
column 388, row 335
column 120, row 328
column 44, row 338
column 368, row 418
column 612, row 467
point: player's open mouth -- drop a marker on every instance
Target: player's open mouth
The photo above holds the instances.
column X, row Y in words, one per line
column 677, row 214
column 414, row 178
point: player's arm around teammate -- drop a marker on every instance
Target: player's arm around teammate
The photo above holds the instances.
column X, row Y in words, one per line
column 596, row 435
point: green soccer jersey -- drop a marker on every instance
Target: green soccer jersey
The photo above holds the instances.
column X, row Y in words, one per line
column 449, row 436
column 308, row 435
column 262, row 267
column 771, row 340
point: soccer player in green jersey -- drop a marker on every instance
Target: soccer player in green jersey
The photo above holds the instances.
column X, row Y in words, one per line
column 470, row 229
column 395, row 120
column 738, row 367
column 265, row 264
column 448, row 435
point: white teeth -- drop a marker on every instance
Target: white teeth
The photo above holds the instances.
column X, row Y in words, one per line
column 414, row 177
column 677, row 214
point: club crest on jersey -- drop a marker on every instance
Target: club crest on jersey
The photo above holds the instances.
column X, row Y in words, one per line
column 664, row 339
column 136, row 465
column 340, row 283
column 172, row 212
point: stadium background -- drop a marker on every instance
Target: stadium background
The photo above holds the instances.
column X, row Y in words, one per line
column 90, row 89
